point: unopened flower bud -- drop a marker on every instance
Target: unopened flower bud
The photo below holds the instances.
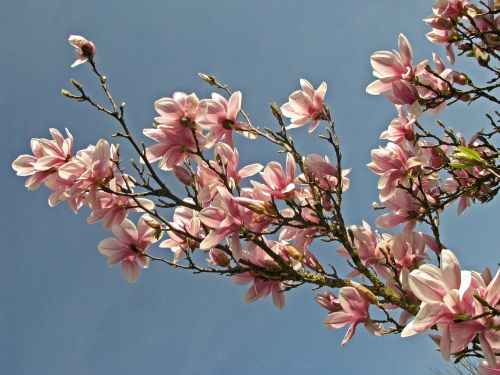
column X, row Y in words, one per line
column 294, row 253
column 66, row 93
column 77, row 84
column 183, row 175
column 481, row 57
column 367, row 293
column 209, row 79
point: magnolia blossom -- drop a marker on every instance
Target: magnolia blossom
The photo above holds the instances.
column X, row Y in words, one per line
column 354, row 310
column 180, row 112
column 305, row 105
column 225, row 163
column 184, row 231
column 112, row 209
column 447, row 294
column 261, row 288
column 48, row 156
column 128, row 246
column 84, row 49
column 450, row 8
column 277, row 183
column 393, row 67
column 173, row 147
column 393, row 164
column 329, row 301
column 226, row 217
column 366, row 244
column 221, row 118
column 401, row 128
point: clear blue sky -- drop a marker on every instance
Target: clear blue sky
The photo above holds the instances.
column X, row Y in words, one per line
column 62, row 311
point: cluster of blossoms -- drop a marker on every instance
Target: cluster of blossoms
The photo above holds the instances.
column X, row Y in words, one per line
column 459, row 22
column 88, row 178
column 258, row 223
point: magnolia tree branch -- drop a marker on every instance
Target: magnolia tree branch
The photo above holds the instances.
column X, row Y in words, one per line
column 263, row 230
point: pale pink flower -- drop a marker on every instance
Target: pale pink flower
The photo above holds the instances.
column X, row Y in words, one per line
column 128, row 246
column 112, row 209
column 184, row 231
column 447, row 293
column 218, row 258
column 401, row 128
column 48, row 156
column 320, row 170
column 261, row 288
column 226, row 160
column 277, row 183
column 392, row 68
column 450, row 8
column 329, row 301
column 180, row 112
column 442, row 36
column 354, row 311
column 85, row 172
column 301, row 237
column 404, row 209
column 408, row 248
column 439, row 289
column 84, row 49
column 366, row 243
column 225, row 217
column 305, row 105
column 393, row 164
column 221, row 118
column 173, row 147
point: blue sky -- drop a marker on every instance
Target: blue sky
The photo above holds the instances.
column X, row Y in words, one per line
column 63, row 311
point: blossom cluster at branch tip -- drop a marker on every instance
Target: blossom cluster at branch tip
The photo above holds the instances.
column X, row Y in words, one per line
column 258, row 223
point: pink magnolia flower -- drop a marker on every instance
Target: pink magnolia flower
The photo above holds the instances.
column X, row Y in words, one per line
column 305, row 105
column 112, row 209
column 302, row 237
column 447, row 294
column 393, row 164
column 404, row 209
column 328, row 301
column 450, row 8
column 127, row 247
column 221, row 118
column 392, row 68
column 89, row 169
column 48, row 156
column 438, row 289
column 354, row 311
column 184, row 231
column 261, row 288
column 218, row 258
column 173, row 147
column 84, row 49
column 180, row 112
column 277, row 183
column 225, row 217
column 408, row 248
column 401, row 128
column 226, row 160
column 320, row 170
column 366, row 243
